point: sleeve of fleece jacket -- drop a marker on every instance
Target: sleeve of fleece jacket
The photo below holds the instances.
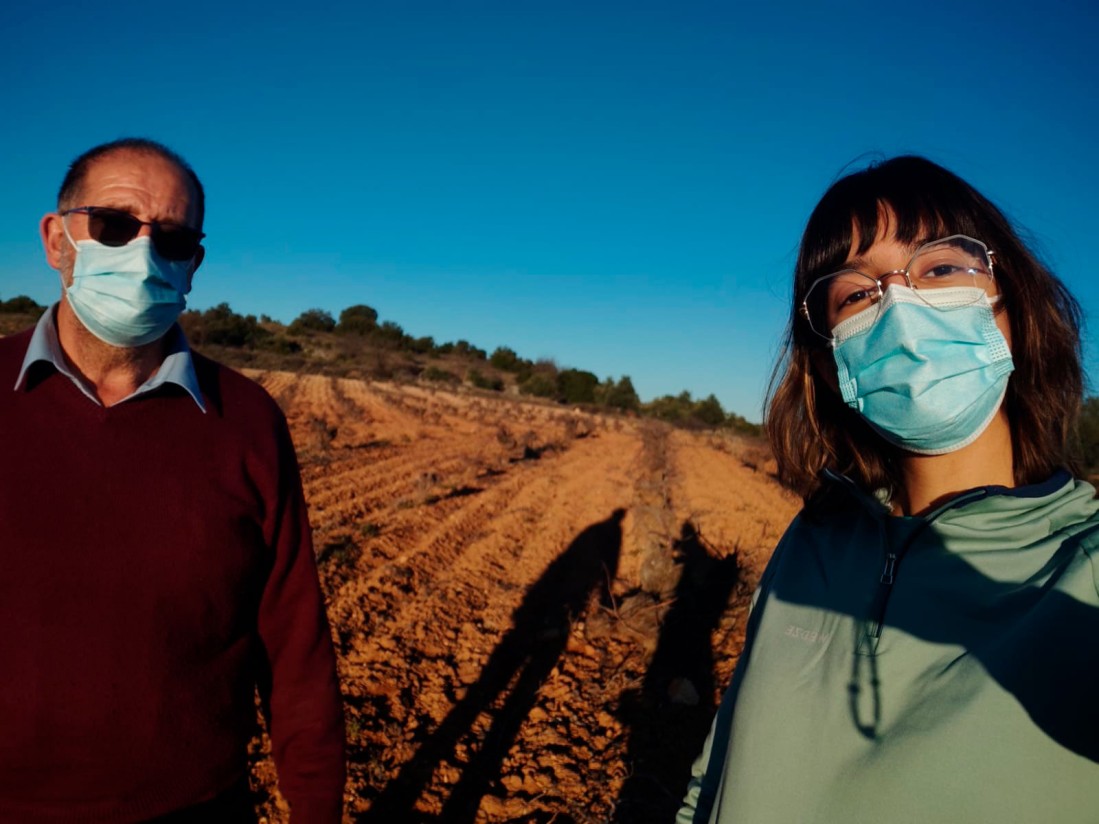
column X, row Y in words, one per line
column 690, row 806
column 305, row 713
column 707, row 771
column 697, row 807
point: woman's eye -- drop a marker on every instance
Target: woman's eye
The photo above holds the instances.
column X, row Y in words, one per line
column 944, row 270
column 853, row 298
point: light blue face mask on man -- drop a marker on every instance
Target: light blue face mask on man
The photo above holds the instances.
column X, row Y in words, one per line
column 127, row 295
column 928, row 371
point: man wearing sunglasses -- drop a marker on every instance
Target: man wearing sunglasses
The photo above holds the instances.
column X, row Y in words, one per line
column 156, row 554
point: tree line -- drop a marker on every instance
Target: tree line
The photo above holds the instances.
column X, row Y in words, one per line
column 221, row 327
column 224, row 329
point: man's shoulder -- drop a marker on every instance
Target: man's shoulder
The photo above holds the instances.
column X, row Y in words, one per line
column 17, row 342
column 232, row 393
column 13, row 348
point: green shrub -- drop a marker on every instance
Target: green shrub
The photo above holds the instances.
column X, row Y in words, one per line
column 709, row 412
column 464, row 347
column 422, row 346
column 359, row 319
column 21, row 305
column 620, row 395
column 540, row 385
column 312, row 320
column 434, row 373
column 505, row 359
column 483, row 381
column 221, row 326
column 576, row 386
column 668, row 408
column 390, row 334
column 744, row 426
column 279, row 344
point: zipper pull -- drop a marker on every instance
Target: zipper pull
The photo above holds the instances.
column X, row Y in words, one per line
column 890, row 568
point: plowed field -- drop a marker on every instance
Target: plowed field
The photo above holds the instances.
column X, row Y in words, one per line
column 535, row 609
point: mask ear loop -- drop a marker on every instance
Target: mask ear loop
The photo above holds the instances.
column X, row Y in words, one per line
column 68, row 237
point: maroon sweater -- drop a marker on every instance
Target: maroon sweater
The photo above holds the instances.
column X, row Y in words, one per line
column 155, row 566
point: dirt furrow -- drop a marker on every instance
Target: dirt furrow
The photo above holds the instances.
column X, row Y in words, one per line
column 397, row 474
column 535, row 608
column 483, row 669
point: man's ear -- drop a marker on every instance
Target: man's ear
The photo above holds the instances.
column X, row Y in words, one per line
column 53, row 236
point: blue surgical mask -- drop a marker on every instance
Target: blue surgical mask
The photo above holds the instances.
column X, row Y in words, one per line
column 127, row 295
column 928, row 371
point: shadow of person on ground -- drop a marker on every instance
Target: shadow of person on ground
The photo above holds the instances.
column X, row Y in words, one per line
column 523, row 659
column 668, row 718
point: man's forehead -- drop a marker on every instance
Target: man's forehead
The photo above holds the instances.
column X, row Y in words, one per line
column 126, row 162
column 130, row 169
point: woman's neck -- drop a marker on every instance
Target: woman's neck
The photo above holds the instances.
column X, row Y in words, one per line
column 930, row 480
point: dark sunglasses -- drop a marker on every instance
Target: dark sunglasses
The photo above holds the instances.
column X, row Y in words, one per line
column 113, row 227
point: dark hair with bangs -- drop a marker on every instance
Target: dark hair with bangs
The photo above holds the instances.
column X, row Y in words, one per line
column 810, row 427
column 78, row 170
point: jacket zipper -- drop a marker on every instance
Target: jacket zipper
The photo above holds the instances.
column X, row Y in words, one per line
column 888, row 576
column 881, row 599
column 892, row 559
column 890, row 568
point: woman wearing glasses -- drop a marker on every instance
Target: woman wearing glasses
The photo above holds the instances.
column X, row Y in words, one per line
column 924, row 645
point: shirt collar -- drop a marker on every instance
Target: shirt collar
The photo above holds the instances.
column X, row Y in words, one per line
column 178, row 366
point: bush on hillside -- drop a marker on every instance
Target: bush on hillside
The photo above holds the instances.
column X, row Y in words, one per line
column 434, row 373
column 505, row 359
column 221, row 326
column 359, row 319
column 743, row 426
column 467, row 349
column 279, row 344
column 481, row 381
column 389, row 334
column 682, row 410
column 671, row 408
column 620, row 395
column 21, row 305
column 312, row 320
column 576, row 386
column 709, row 411
column 539, row 384
column 422, row 346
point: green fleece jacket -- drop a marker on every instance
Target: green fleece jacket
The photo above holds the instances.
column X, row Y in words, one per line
column 942, row 668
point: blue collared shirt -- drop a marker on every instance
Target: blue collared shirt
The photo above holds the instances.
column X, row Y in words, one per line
column 178, row 366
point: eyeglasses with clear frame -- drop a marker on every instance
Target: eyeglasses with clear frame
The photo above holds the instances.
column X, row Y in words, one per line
column 954, row 261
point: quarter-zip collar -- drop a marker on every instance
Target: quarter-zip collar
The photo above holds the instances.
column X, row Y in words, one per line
column 971, row 519
column 1012, row 503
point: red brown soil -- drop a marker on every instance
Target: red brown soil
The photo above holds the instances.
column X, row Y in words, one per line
column 535, row 609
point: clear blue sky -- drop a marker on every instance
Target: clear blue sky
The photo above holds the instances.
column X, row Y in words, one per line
column 618, row 186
